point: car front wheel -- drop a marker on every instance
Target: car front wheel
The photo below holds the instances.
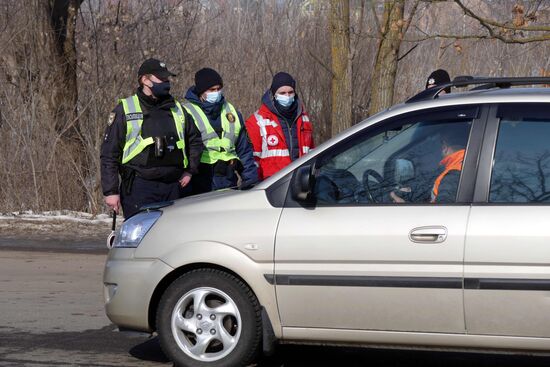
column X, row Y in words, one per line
column 208, row 317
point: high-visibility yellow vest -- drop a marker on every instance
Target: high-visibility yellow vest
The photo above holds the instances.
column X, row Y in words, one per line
column 217, row 148
column 135, row 144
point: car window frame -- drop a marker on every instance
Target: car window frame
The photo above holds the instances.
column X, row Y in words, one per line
column 465, row 191
column 483, row 180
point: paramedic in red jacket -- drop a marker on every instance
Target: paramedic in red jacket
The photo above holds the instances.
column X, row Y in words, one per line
column 280, row 131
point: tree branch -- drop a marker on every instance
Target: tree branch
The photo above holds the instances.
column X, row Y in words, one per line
column 489, row 22
column 406, row 53
column 448, row 36
column 327, row 68
column 411, row 15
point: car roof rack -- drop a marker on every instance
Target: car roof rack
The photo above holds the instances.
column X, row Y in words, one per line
column 482, row 82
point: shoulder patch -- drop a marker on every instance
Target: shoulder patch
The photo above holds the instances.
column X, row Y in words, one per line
column 111, row 118
column 230, row 117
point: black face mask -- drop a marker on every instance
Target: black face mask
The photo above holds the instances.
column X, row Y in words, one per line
column 161, row 90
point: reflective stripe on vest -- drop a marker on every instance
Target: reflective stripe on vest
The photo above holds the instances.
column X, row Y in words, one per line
column 135, row 144
column 272, row 153
column 266, row 152
column 305, row 148
column 217, row 148
column 179, row 120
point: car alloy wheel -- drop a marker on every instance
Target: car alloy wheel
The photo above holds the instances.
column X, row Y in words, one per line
column 208, row 317
column 206, row 324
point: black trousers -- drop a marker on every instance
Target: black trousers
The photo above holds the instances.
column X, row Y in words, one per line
column 145, row 192
column 207, row 180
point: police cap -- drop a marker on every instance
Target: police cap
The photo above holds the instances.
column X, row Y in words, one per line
column 155, row 67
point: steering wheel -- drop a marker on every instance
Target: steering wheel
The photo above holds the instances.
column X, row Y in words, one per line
column 377, row 177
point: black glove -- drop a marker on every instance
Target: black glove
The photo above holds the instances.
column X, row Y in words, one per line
column 220, row 168
column 237, row 165
column 246, row 185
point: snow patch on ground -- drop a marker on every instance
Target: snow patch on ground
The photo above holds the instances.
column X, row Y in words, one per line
column 59, row 223
column 58, row 215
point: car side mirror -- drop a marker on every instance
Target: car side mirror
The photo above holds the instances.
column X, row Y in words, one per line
column 404, row 171
column 303, row 183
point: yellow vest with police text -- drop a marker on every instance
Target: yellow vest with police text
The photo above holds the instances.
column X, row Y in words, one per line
column 135, row 143
column 216, row 147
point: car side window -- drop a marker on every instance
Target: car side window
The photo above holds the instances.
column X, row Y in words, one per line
column 521, row 163
column 413, row 160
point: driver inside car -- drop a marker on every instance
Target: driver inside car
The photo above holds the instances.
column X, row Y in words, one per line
column 445, row 186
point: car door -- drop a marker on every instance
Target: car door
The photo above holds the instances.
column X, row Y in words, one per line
column 350, row 257
column 507, row 257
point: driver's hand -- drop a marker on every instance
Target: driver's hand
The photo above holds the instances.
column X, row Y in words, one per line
column 395, row 198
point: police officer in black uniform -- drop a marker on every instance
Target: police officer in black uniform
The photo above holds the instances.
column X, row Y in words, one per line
column 151, row 142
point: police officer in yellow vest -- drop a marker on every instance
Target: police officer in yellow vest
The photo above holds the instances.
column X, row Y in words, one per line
column 151, row 142
column 227, row 148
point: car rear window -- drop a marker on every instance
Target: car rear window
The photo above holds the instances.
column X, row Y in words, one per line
column 521, row 165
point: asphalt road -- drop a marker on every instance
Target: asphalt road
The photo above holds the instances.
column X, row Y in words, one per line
column 51, row 314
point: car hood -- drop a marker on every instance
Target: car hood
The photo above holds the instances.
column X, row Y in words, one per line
column 230, row 217
column 207, row 196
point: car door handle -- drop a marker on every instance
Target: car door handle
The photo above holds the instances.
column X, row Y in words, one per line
column 430, row 234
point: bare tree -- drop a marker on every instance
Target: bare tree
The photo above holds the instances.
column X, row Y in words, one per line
column 391, row 30
column 341, row 117
column 51, row 132
column 39, row 64
column 515, row 30
column 61, row 17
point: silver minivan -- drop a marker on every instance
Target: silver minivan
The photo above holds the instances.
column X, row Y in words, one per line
column 426, row 225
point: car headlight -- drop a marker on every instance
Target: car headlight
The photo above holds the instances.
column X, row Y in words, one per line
column 135, row 228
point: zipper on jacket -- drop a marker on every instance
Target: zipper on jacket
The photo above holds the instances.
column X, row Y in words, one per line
column 299, row 131
column 290, row 136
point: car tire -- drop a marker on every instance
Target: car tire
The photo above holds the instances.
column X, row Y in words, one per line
column 224, row 330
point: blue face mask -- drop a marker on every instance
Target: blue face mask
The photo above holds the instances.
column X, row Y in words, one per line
column 161, row 90
column 213, row 97
column 284, row 101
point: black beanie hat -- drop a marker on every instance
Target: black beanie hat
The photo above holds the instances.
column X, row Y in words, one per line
column 205, row 79
column 282, row 79
column 438, row 77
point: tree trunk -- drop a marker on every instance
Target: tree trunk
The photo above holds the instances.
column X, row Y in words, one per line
column 40, row 66
column 385, row 67
column 61, row 16
column 341, row 117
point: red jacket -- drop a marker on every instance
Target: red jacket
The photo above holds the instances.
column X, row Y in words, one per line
column 268, row 140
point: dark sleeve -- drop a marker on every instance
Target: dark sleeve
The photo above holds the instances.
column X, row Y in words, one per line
column 193, row 144
column 244, row 151
column 448, row 188
column 111, row 151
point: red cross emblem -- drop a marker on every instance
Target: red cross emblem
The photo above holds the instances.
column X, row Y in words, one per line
column 272, row 140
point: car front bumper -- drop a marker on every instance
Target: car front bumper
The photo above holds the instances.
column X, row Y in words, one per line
column 129, row 284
